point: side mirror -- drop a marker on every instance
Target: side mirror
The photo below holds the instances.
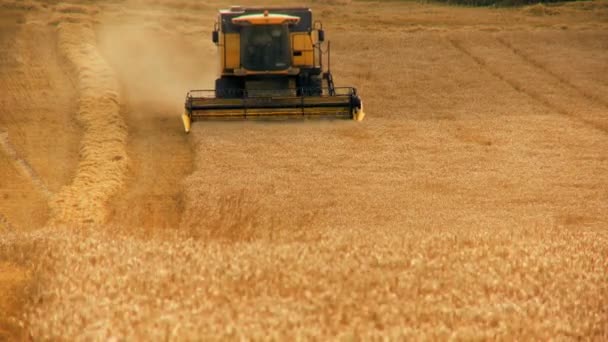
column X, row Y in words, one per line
column 215, row 36
column 321, row 34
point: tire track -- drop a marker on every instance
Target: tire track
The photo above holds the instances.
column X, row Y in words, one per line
column 526, row 91
column 484, row 65
column 550, row 72
column 24, row 167
column 516, row 86
column 103, row 157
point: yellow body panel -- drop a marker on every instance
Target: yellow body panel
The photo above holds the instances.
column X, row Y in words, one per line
column 231, row 51
column 302, row 43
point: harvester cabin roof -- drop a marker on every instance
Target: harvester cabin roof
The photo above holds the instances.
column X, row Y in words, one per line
column 226, row 16
column 265, row 19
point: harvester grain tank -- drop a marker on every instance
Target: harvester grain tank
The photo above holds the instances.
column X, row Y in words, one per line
column 271, row 66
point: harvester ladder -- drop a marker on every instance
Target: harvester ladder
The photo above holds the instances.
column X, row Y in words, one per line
column 330, row 83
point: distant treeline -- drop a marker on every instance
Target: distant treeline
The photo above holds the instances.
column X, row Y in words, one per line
column 497, row 2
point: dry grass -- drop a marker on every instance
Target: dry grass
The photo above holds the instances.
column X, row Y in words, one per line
column 471, row 203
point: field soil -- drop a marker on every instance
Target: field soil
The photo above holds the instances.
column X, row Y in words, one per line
column 471, row 203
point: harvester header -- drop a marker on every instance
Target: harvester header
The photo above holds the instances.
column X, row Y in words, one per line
column 271, row 66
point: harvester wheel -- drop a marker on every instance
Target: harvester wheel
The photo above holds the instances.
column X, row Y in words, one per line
column 228, row 88
column 310, row 85
column 315, row 84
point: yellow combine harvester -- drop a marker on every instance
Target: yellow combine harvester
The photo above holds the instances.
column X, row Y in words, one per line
column 271, row 63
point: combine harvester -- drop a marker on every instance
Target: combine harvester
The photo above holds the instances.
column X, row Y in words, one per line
column 271, row 62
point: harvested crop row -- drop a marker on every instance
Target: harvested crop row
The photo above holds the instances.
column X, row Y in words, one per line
column 103, row 158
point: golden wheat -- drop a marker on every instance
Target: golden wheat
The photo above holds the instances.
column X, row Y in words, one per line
column 471, row 203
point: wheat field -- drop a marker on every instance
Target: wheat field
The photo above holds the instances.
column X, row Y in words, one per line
column 470, row 204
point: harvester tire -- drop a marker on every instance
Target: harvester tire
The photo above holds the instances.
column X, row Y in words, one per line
column 228, row 88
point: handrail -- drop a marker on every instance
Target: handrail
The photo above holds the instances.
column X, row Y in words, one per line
column 267, row 93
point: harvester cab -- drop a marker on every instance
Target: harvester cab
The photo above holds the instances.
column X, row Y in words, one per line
column 271, row 66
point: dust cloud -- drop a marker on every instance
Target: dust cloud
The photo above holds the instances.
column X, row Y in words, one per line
column 157, row 66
